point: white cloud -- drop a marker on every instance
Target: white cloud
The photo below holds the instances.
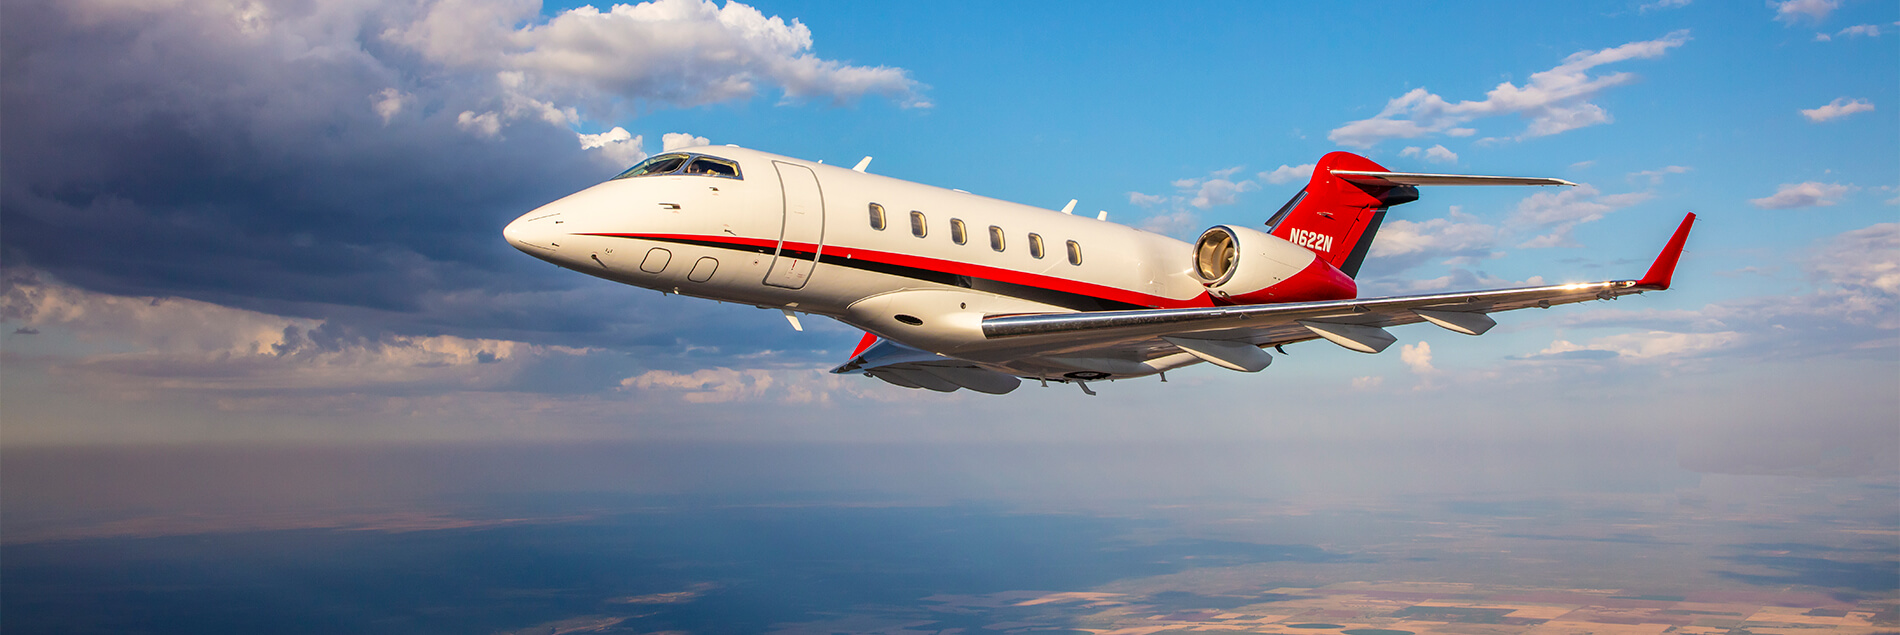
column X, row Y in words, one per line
column 1850, row 309
column 147, row 344
column 1177, row 222
column 486, row 125
column 706, row 385
column 1808, row 194
column 1662, row 4
column 1649, row 346
column 1791, row 11
column 1368, row 382
column 1288, row 173
column 617, row 147
column 1858, row 30
column 1461, row 278
column 1865, row 263
column 1146, row 200
column 1418, row 357
column 1216, row 192
column 1459, row 236
column 389, row 103
column 681, row 52
column 675, row 140
column 722, row 384
column 1656, row 176
column 1840, row 107
column 1553, row 101
column 1561, row 211
column 1437, row 154
column 1176, row 214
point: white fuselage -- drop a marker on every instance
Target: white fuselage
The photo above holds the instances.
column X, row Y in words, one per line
column 750, row 240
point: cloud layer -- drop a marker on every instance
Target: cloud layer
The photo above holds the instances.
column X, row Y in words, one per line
column 1553, row 101
column 1840, row 107
column 1808, row 194
column 353, row 162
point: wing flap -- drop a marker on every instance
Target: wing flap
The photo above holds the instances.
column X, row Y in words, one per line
column 913, row 368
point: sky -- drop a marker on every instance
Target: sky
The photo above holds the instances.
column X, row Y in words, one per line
column 278, row 223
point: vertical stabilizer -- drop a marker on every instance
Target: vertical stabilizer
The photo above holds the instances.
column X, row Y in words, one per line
column 1336, row 218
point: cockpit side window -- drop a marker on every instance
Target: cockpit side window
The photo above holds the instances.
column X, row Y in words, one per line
column 697, row 165
column 710, row 166
column 656, row 166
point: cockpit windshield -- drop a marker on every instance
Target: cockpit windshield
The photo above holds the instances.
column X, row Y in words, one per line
column 680, row 163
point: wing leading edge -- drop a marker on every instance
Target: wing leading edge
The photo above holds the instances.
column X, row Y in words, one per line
column 1355, row 324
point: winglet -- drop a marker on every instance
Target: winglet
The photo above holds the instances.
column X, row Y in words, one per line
column 863, row 345
column 1665, row 265
column 856, row 360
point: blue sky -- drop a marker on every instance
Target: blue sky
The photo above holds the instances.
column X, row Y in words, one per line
column 271, row 222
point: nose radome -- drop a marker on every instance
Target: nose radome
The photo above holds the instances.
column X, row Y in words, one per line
column 533, row 232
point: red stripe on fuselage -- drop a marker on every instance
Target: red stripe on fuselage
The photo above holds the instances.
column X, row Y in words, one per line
column 952, row 267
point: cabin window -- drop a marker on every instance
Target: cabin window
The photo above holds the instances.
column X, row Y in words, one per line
column 877, row 217
column 958, row 233
column 917, row 226
column 1035, row 246
column 996, row 238
column 1075, row 253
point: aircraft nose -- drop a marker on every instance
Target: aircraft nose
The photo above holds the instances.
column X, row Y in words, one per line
column 534, row 232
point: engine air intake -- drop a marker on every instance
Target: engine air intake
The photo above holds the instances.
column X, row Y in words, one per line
column 1215, row 256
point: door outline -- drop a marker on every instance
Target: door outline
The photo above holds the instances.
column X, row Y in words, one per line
column 801, row 221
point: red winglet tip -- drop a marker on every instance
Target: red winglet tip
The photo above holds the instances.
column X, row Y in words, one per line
column 1665, row 265
column 863, row 345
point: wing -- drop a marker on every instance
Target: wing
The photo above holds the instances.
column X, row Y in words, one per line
column 1232, row 336
column 915, row 368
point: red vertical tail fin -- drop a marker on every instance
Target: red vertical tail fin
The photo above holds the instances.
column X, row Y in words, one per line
column 1336, row 218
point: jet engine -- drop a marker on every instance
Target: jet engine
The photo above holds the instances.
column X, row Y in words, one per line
column 1245, row 266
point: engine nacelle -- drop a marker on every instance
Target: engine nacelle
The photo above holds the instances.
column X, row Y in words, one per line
column 1245, row 266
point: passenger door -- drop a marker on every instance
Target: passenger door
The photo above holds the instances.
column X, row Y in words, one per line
column 801, row 235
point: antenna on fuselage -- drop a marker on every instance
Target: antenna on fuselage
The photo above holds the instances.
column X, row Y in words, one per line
column 863, row 164
column 1101, row 215
column 1070, row 208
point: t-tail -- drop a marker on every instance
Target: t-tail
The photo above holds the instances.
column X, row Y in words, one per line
column 1338, row 212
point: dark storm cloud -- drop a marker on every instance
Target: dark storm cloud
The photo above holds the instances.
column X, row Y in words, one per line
column 177, row 154
column 317, row 159
column 180, row 155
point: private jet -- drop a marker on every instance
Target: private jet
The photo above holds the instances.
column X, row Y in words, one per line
column 955, row 290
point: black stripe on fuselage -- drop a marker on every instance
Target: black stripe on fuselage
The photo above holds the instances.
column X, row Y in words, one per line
column 1076, row 301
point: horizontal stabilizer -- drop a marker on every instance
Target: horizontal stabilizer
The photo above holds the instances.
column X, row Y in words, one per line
column 1389, row 179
